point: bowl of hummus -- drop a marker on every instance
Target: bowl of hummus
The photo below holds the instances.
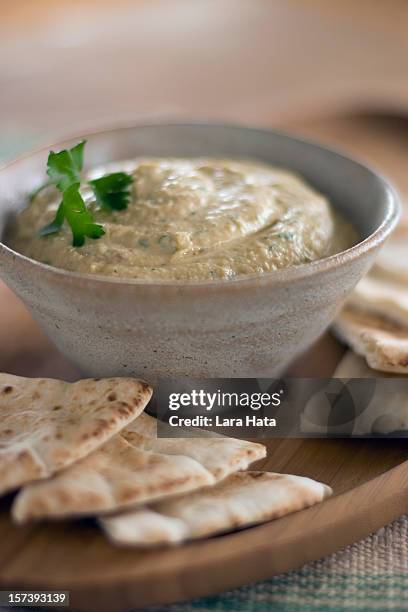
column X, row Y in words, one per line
column 224, row 251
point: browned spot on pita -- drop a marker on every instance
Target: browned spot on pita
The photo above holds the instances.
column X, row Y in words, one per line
column 123, row 409
column 40, row 505
column 91, row 497
column 101, row 427
column 217, row 472
column 57, row 408
column 62, row 455
column 26, row 459
column 112, row 397
column 63, row 497
column 7, row 389
column 7, row 432
column 23, row 455
column 128, row 493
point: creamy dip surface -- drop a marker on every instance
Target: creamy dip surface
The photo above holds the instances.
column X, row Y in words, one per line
column 193, row 219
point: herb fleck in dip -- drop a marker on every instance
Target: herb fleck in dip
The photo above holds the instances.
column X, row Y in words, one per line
column 193, row 219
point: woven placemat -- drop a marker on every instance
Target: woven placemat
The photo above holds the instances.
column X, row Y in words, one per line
column 369, row 575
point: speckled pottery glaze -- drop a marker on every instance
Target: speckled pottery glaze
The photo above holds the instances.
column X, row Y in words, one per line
column 250, row 326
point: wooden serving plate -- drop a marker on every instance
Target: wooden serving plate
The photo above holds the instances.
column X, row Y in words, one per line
column 369, row 477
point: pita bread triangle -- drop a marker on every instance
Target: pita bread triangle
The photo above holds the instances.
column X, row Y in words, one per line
column 46, row 425
column 242, row 499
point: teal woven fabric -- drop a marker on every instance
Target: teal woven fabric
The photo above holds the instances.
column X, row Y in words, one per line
column 369, row 575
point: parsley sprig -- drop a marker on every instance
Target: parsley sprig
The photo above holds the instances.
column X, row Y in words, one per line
column 64, row 168
column 111, row 191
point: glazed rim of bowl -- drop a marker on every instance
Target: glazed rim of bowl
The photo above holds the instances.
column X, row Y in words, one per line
column 280, row 276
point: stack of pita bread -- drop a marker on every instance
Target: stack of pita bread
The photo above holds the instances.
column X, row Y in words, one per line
column 88, row 449
column 374, row 320
column 386, row 412
column 374, row 324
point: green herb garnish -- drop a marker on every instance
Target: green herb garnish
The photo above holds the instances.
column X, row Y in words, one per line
column 64, row 168
column 112, row 191
column 78, row 216
column 56, row 224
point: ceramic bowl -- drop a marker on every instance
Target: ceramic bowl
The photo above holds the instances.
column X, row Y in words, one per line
column 250, row 326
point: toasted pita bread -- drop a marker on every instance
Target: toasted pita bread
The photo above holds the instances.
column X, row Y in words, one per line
column 387, row 411
column 219, row 454
column 381, row 297
column 374, row 321
column 382, row 342
column 47, row 424
column 243, row 499
column 131, row 469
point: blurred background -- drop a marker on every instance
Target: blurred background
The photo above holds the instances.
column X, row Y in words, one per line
column 333, row 70
column 310, row 65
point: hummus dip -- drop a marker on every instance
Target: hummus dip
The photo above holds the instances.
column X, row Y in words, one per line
column 193, row 219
